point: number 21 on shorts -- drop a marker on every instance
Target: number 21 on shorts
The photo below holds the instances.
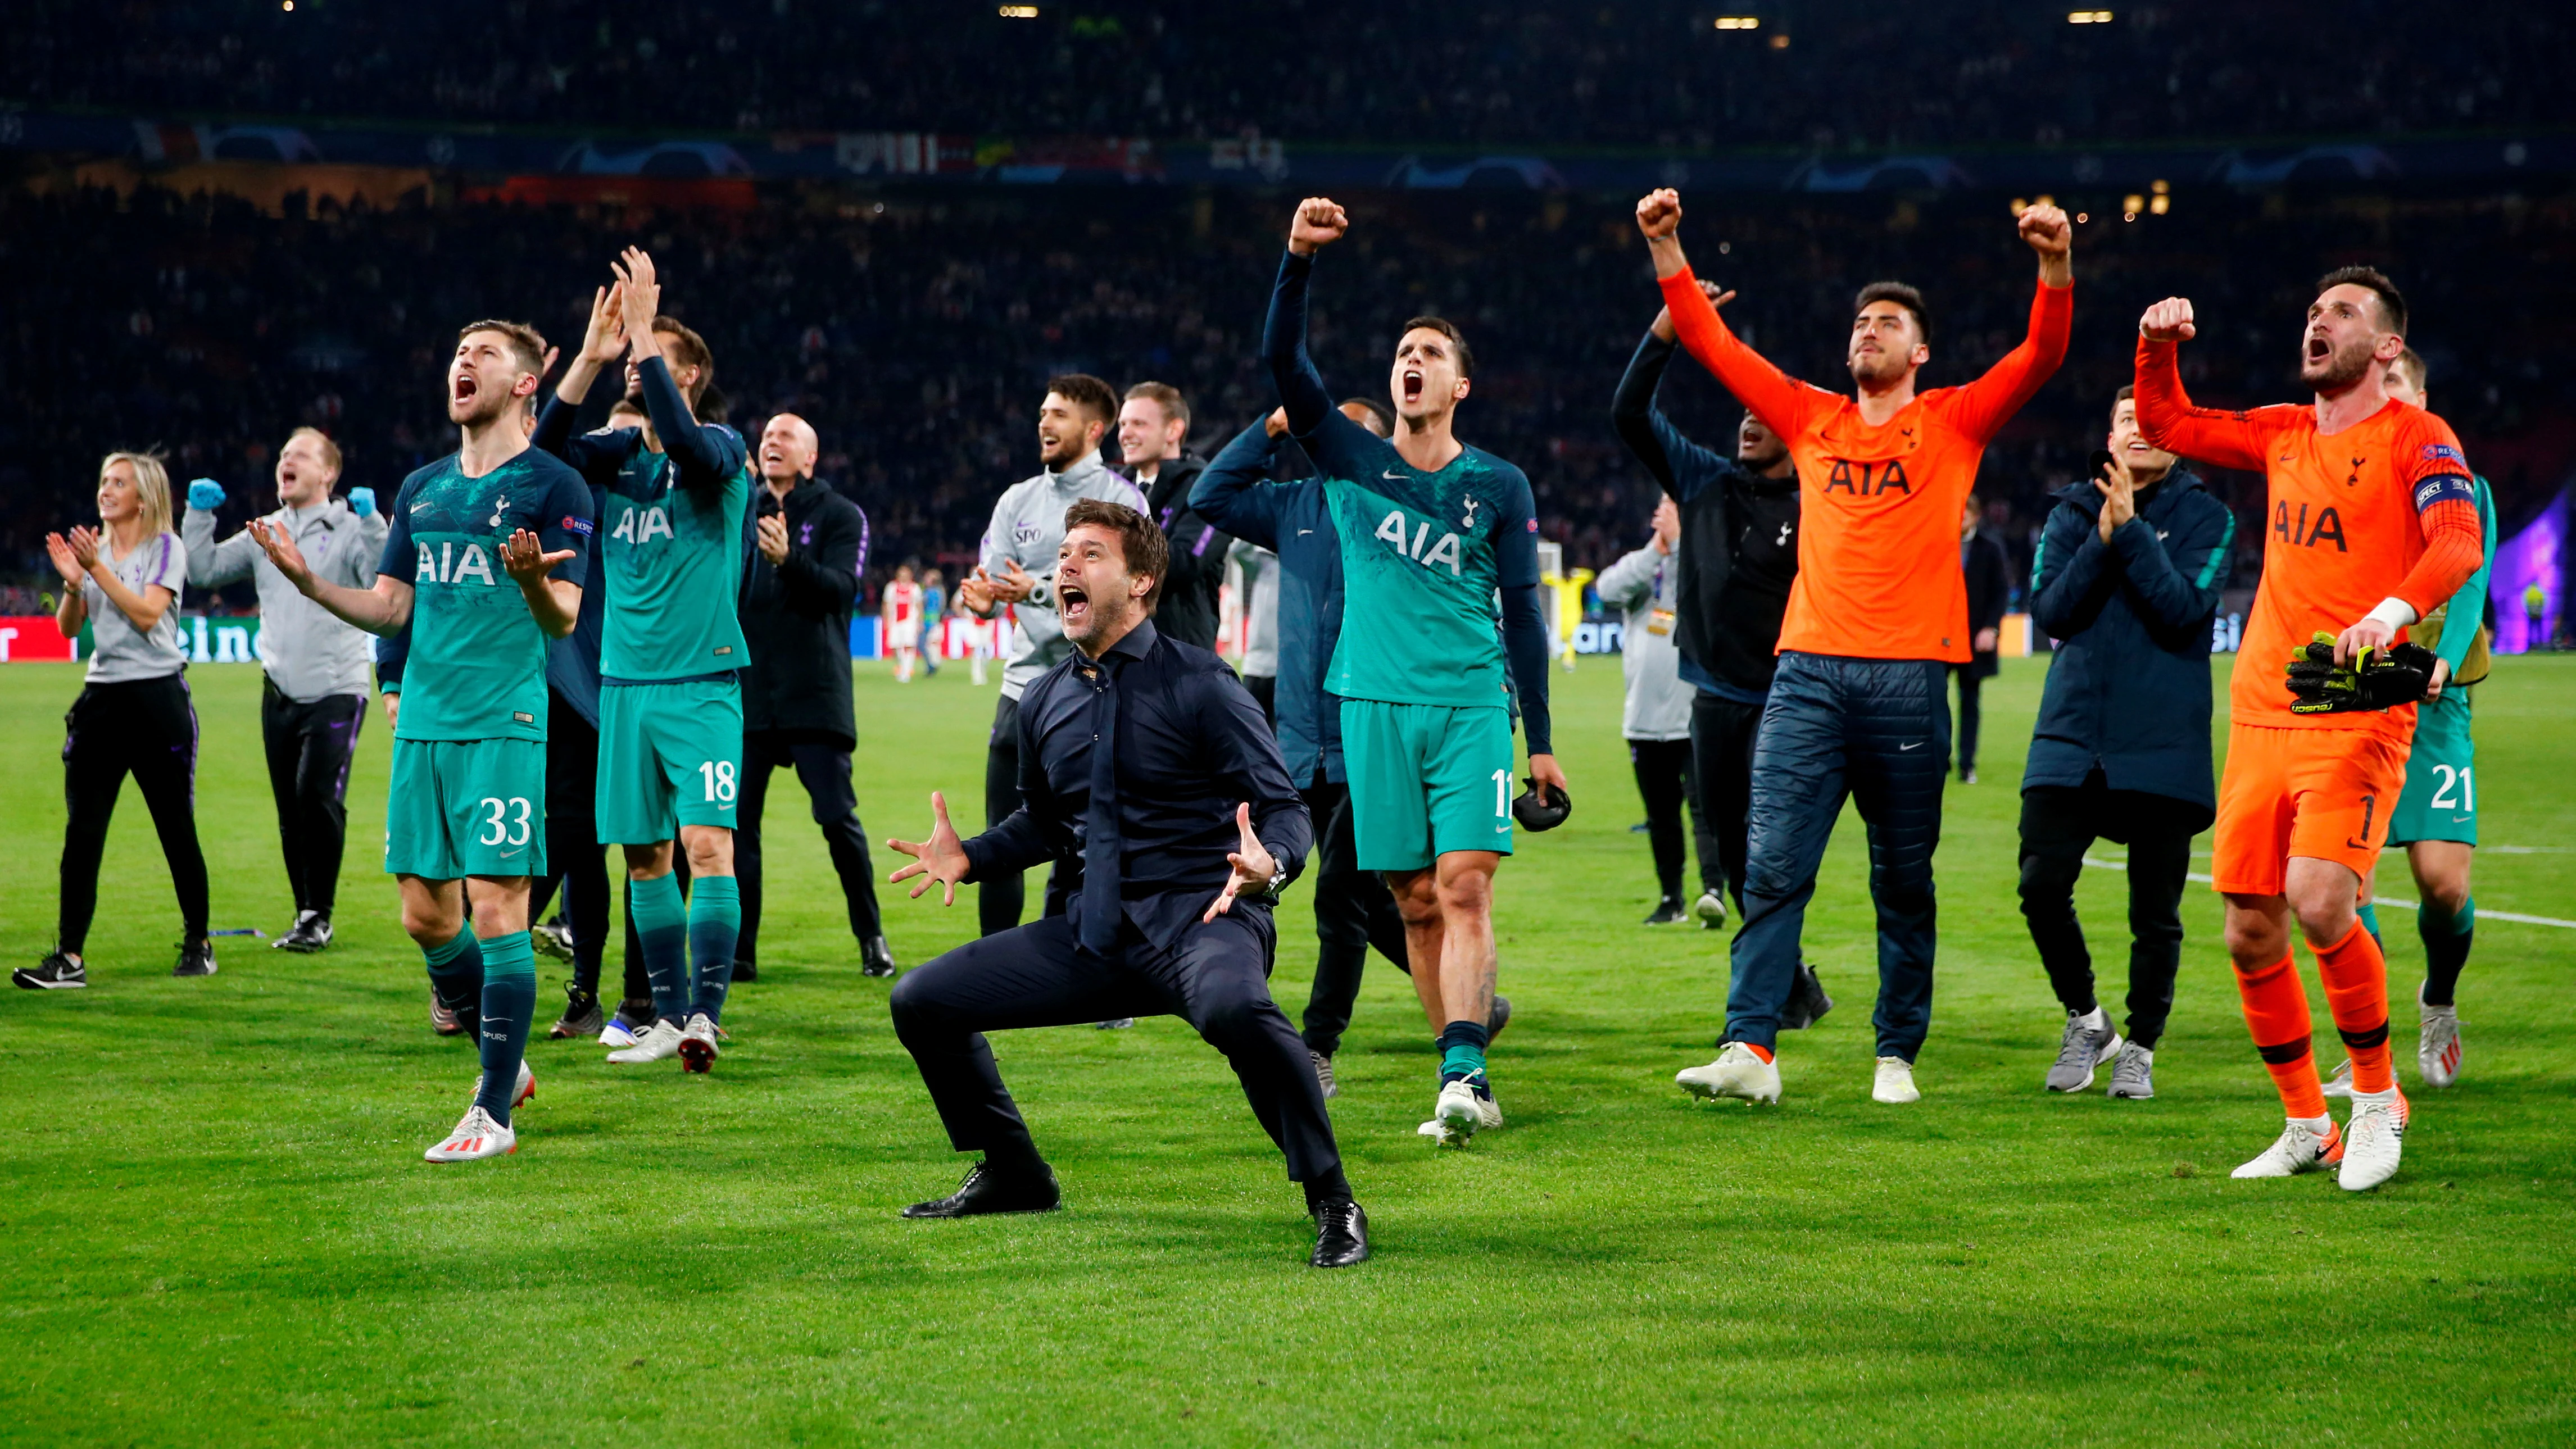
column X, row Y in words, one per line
column 718, row 777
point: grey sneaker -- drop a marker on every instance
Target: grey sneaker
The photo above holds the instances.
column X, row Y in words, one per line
column 2133, row 1072
column 2083, row 1049
column 1121, row 1024
column 1324, row 1074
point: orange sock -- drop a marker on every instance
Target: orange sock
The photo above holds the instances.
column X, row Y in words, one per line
column 1763, row 1052
column 2276, row 1012
column 2356, row 981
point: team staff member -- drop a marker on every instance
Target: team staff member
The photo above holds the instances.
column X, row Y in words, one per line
column 1989, row 576
column 1017, row 556
column 314, row 690
column 1876, row 615
column 1147, row 769
column 1153, row 438
column 133, row 715
column 2374, row 521
column 1644, row 586
column 2126, row 579
column 1738, row 551
column 811, row 545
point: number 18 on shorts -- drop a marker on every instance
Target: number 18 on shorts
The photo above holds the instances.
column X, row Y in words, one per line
column 456, row 808
column 669, row 755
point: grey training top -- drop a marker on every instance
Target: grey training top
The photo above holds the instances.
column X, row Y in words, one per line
column 310, row 654
column 1028, row 525
column 1258, row 567
column 1644, row 586
column 121, row 653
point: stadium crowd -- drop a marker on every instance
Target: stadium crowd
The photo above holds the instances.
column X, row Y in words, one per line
column 913, row 328
column 1650, row 74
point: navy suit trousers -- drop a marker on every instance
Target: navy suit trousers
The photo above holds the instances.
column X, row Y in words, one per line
column 1876, row 731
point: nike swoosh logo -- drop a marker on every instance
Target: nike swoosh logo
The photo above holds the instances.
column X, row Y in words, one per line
column 1392, row 474
column 1301, row 533
column 1918, row 744
column 507, row 854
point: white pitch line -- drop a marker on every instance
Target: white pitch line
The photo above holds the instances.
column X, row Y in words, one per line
column 2404, row 905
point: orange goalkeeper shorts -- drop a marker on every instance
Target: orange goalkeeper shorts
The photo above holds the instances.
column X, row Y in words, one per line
column 2322, row 793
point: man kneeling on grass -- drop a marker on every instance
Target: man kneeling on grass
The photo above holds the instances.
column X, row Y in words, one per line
column 1149, row 774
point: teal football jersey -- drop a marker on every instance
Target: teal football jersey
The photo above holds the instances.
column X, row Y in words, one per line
column 673, row 560
column 477, row 668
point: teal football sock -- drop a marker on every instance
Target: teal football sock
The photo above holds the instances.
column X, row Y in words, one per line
column 456, row 977
column 662, row 929
column 1462, row 1053
column 715, row 923
column 2370, row 922
column 509, row 1003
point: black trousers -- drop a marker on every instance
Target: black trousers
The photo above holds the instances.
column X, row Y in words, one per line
column 2057, row 826
column 1723, row 732
column 1264, row 689
column 1664, row 769
column 309, row 749
column 1353, row 911
column 146, row 728
column 572, row 838
column 998, row 901
column 1966, row 734
column 823, row 767
column 1216, row 979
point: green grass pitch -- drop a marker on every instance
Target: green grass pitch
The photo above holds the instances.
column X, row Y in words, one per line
column 221, row 1229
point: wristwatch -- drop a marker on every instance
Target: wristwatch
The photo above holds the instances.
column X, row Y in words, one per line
column 1269, row 890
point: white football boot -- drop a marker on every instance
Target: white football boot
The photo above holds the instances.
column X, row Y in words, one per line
column 1737, row 1072
column 1459, row 1115
column 698, row 1044
column 2340, row 1084
column 656, row 1043
column 527, row 1086
column 1894, row 1084
column 2300, row 1148
column 476, row 1136
column 2437, row 1046
column 2373, row 1139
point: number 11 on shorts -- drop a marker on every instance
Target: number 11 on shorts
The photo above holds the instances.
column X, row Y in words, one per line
column 1502, row 794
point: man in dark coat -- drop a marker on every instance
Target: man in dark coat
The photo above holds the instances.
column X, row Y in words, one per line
column 2126, row 579
column 1989, row 573
column 1153, row 434
column 810, row 545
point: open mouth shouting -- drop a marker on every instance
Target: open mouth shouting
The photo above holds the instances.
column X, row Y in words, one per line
column 1073, row 604
column 461, row 389
column 2319, row 348
column 1413, row 384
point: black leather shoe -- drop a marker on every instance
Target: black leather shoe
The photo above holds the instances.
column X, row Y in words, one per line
column 1341, row 1235
column 311, row 933
column 987, row 1191
column 1807, row 1002
column 1668, row 911
column 746, row 971
column 196, row 958
column 876, row 958
column 1498, row 1018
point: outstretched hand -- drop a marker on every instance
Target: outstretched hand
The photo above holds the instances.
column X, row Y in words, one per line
column 604, row 340
column 1320, row 221
column 2168, row 321
column 525, row 558
column 941, row 858
column 639, row 295
column 282, row 552
column 1252, row 862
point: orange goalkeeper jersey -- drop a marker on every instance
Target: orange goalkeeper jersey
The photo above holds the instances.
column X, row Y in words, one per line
column 2383, row 509
column 1878, row 507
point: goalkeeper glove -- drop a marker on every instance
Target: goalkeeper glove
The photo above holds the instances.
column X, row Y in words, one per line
column 205, row 493
column 2376, row 679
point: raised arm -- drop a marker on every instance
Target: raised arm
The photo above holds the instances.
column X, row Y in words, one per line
column 210, row 564
column 707, row 454
column 1679, row 466
column 1783, row 405
column 1982, row 407
column 1630, row 581
column 1233, row 491
column 2165, row 411
column 383, row 609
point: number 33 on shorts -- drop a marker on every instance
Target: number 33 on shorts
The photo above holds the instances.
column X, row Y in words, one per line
column 466, row 807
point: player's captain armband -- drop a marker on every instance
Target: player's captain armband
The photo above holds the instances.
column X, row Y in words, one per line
column 577, row 525
column 2445, row 486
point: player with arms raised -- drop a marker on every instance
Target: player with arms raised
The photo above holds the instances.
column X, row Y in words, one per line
column 2374, row 521
column 672, row 545
column 483, row 564
column 1877, row 614
column 1430, row 530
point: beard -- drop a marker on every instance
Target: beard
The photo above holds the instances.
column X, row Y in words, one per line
column 2337, row 370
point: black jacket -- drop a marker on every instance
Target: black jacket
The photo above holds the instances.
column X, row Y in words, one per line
column 1189, row 746
column 1739, row 543
column 1989, row 593
column 1187, row 611
column 2129, row 691
column 796, row 616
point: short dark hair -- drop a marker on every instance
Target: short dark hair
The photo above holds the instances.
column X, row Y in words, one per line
column 1089, row 393
column 2411, row 363
column 1140, row 543
column 691, row 352
column 2127, row 393
column 2392, row 303
column 1385, row 420
column 1448, row 329
column 1164, row 396
column 526, row 342
column 1903, row 296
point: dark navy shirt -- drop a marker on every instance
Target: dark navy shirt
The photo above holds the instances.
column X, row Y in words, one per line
column 1291, row 520
column 1191, row 745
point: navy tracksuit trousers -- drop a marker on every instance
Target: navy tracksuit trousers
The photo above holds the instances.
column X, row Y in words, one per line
column 1877, row 731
